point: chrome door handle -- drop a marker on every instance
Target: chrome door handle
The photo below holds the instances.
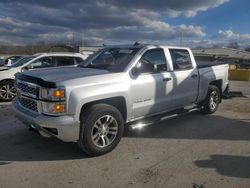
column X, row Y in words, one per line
column 166, row 79
column 194, row 76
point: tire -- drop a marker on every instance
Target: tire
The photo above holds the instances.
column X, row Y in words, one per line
column 7, row 91
column 211, row 103
column 94, row 139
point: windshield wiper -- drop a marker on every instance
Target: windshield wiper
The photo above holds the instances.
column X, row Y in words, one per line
column 101, row 66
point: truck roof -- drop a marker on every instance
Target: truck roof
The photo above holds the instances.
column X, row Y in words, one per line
column 145, row 45
column 58, row 53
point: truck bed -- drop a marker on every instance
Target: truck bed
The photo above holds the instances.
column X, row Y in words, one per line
column 207, row 61
column 210, row 72
column 204, row 64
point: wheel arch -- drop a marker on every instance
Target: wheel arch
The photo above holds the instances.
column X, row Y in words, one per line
column 118, row 102
column 7, row 80
column 218, row 84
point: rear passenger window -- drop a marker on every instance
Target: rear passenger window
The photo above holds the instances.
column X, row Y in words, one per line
column 65, row 61
column 153, row 61
column 181, row 59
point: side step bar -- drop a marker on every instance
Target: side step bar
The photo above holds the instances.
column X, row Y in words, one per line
column 156, row 119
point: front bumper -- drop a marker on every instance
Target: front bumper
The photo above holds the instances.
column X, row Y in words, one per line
column 65, row 128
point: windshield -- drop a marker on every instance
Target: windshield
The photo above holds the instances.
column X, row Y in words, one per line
column 22, row 61
column 111, row 59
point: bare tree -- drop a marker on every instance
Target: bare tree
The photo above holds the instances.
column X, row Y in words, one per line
column 247, row 48
column 233, row 45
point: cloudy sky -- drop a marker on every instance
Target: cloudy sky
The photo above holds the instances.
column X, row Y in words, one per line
column 191, row 22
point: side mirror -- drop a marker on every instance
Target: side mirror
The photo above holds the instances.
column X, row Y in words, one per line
column 26, row 68
column 135, row 71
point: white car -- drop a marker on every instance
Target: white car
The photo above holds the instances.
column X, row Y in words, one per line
column 37, row 61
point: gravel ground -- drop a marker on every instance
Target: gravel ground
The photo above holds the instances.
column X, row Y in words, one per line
column 207, row 150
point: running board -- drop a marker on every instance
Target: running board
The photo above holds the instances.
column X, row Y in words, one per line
column 156, row 119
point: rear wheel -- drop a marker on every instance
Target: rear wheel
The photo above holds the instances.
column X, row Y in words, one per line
column 101, row 129
column 7, row 91
column 211, row 103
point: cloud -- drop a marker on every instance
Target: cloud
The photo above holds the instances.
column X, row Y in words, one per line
column 30, row 21
column 223, row 39
column 228, row 36
column 172, row 7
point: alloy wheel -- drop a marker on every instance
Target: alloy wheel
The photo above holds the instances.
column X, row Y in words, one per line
column 104, row 131
column 7, row 92
column 214, row 98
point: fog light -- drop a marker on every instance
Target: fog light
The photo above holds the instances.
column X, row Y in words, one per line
column 54, row 108
column 59, row 108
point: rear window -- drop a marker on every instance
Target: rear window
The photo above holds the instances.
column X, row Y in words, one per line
column 65, row 61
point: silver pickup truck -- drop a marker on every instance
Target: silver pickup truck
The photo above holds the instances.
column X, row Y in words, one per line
column 117, row 86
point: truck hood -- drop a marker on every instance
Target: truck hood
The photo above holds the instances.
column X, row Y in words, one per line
column 62, row 74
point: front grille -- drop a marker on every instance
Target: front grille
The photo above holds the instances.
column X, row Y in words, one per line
column 28, row 103
column 27, row 89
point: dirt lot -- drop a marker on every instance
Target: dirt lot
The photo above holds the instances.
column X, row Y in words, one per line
column 211, row 150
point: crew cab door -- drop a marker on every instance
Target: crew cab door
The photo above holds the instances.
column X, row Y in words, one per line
column 150, row 87
column 185, row 78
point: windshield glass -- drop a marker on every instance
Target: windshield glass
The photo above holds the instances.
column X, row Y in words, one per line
column 111, row 59
column 22, row 61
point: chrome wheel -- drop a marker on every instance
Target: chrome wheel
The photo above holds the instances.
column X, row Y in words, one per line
column 7, row 92
column 214, row 99
column 104, row 131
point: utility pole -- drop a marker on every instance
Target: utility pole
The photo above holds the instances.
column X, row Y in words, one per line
column 181, row 38
column 82, row 39
column 73, row 39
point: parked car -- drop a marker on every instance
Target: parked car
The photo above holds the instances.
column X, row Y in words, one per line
column 11, row 59
column 22, row 59
column 121, row 85
column 1, row 62
column 38, row 61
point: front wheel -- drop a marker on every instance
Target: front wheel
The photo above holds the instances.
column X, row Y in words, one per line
column 211, row 103
column 7, row 91
column 101, row 129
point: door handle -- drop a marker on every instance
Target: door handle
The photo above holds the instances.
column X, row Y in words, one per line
column 194, row 76
column 166, row 79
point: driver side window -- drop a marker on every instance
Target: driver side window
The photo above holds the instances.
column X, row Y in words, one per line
column 153, row 61
column 42, row 63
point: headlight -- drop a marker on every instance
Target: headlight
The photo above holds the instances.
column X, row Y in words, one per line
column 53, row 108
column 53, row 94
column 54, row 101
